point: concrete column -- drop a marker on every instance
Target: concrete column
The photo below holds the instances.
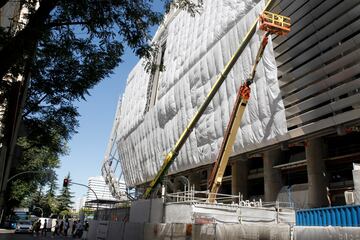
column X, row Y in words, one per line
column 272, row 177
column 317, row 177
column 195, row 180
column 356, row 178
column 239, row 178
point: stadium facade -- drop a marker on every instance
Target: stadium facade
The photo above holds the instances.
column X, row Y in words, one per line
column 300, row 135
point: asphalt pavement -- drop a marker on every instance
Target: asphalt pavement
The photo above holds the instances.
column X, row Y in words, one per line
column 6, row 234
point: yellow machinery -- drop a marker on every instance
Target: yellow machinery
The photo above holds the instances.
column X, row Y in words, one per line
column 272, row 24
column 170, row 157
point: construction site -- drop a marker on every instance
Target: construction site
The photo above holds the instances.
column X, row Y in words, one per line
column 248, row 127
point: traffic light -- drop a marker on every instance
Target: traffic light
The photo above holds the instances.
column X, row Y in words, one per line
column 66, row 182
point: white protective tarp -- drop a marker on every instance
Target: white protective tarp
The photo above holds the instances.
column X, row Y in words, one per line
column 325, row 233
column 197, row 49
column 252, row 232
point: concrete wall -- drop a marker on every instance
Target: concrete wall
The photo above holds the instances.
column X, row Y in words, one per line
column 149, row 210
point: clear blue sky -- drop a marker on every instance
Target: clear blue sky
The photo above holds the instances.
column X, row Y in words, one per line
column 87, row 147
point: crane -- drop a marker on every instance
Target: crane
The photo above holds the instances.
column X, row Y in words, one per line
column 271, row 23
column 170, row 157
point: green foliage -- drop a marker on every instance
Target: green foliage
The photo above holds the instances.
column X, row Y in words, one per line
column 87, row 212
column 47, row 201
column 20, row 189
column 65, row 214
column 64, row 199
column 42, row 160
column 68, row 47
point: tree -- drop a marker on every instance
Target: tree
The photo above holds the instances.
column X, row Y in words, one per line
column 42, row 161
column 51, row 200
column 67, row 47
column 46, row 201
column 116, row 21
column 64, row 200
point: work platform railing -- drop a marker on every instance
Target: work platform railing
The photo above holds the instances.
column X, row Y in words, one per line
column 201, row 197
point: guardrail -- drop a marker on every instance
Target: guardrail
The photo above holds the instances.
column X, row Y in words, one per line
column 193, row 196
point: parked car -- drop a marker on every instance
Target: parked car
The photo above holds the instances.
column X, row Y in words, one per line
column 24, row 226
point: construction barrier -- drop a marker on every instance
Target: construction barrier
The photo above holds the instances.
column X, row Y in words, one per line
column 134, row 231
column 344, row 216
column 326, row 233
column 101, row 230
column 93, row 226
column 106, row 230
column 116, row 230
column 204, row 231
column 252, row 231
column 161, row 231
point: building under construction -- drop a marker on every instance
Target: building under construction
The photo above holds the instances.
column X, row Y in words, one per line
column 300, row 133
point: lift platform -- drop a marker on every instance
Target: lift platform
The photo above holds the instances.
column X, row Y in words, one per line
column 274, row 23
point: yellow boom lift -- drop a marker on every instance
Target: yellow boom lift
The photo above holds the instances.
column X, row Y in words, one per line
column 271, row 23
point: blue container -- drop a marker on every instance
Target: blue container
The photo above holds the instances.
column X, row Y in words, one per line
column 344, row 216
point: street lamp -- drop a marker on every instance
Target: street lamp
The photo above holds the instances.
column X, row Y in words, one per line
column 67, row 181
column 14, row 176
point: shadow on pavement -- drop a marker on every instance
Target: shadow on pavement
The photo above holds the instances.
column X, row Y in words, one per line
column 12, row 236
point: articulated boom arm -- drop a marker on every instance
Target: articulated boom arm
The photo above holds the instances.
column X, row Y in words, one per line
column 170, row 157
column 233, row 126
column 272, row 24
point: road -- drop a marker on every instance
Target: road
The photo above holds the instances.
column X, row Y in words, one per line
column 10, row 235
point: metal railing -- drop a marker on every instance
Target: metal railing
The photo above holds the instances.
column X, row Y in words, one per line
column 198, row 197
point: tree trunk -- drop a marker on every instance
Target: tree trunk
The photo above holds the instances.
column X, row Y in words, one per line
column 22, row 43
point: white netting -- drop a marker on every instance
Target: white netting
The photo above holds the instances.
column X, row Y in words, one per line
column 197, row 48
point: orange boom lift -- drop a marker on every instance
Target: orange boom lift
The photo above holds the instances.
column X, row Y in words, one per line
column 271, row 23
